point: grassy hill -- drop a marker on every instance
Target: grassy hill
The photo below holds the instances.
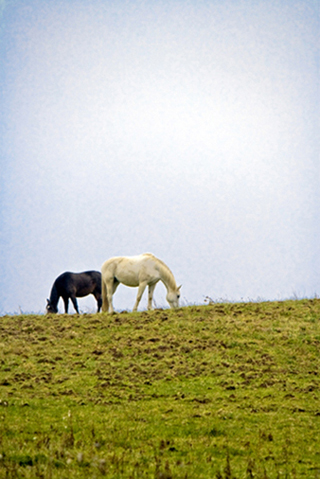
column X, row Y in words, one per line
column 216, row 391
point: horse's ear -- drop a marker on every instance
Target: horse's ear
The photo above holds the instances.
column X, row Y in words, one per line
column 48, row 301
column 179, row 286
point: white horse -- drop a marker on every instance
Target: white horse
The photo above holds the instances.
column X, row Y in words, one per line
column 137, row 271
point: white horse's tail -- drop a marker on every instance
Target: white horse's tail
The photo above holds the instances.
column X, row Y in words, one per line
column 105, row 302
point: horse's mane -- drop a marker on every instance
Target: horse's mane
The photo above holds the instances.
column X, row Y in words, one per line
column 167, row 275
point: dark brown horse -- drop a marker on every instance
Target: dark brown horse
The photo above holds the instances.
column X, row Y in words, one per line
column 74, row 285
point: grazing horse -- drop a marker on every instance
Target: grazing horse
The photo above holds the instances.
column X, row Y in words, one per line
column 137, row 271
column 74, row 285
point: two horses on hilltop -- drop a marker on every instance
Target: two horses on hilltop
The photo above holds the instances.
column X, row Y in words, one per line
column 134, row 271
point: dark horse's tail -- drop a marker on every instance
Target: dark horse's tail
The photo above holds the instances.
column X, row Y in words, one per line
column 105, row 302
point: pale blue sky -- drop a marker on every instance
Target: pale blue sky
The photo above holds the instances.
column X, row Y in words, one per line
column 189, row 129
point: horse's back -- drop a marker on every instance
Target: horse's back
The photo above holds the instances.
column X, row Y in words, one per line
column 69, row 281
column 87, row 279
column 127, row 261
column 95, row 275
column 130, row 270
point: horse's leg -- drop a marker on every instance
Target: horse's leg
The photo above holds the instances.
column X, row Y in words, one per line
column 115, row 285
column 142, row 287
column 97, row 295
column 105, row 303
column 99, row 301
column 111, row 287
column 75, row 303
column 66, row 304
column 150, row 295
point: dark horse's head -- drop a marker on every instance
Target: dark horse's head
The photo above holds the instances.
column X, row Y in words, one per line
column 50, row 307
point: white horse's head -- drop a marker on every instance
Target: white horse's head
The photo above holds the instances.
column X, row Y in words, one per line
column 173, row 298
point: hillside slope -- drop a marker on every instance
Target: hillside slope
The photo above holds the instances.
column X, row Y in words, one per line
column 224, row 390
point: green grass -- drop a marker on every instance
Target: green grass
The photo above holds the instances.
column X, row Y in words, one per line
column 217, row 391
